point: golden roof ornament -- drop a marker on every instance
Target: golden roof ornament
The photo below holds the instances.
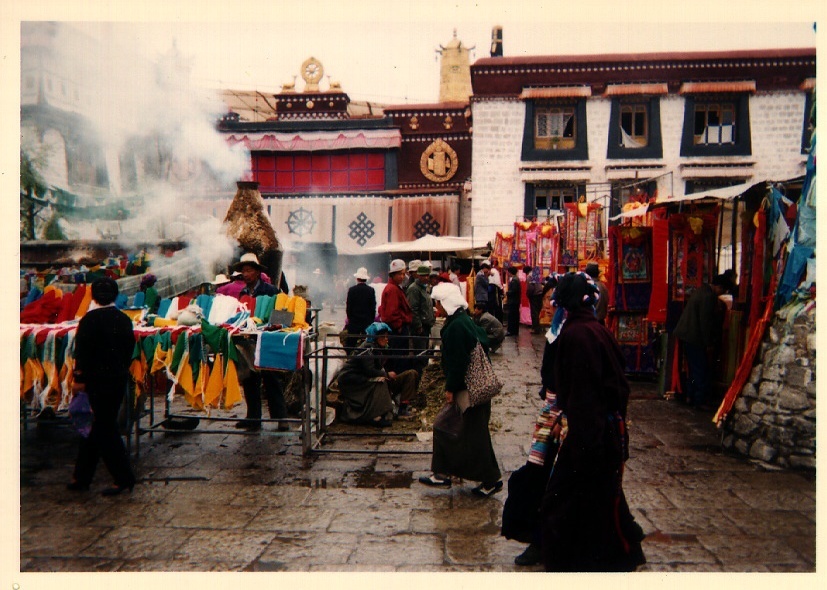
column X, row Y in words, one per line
column 312, row 71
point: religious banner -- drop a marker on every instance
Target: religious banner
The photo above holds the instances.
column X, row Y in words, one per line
column 503, row 245
column 692, row 255
column 415, row 217
column 301, row 219
column 360, row 223
column 548, row 248
column 581, row 233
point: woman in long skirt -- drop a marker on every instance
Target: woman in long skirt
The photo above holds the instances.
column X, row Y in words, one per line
column 471, row 454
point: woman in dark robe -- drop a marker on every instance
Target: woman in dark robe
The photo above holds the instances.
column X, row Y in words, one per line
column 471, row 455
column 363, row 381
column 586, row 523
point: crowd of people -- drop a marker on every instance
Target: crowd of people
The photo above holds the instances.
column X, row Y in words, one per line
column 567, row 503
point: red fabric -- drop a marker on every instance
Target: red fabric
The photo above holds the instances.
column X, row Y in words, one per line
column 250, row 301
column 42, row 311
column 757, row 268
column 77, row 299
column 745, row 367
column 183, row 302
column 65, row 314
column 660, row 275
column 394, row 308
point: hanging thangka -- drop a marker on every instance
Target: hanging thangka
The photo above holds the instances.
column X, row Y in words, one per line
column 503, row 244
column 692, row 237
column 522, row 229
column 633, row 255
column 581, row 233
column 548, row 248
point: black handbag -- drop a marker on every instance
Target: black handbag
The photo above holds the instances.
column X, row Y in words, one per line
column 448, row 421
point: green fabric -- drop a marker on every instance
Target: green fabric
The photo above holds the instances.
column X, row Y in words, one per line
column 151, row 299
column 218, row 339
column 196, row 345
column 148, row 344
column 264, row 306
column 180, row 349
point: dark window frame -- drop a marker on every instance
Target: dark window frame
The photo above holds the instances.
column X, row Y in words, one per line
column 742, row 146
column 654, row 147
column 530, row 197
column 580, row 151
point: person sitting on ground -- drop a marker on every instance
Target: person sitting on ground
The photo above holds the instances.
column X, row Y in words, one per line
column 493, row 327
column 366, row 388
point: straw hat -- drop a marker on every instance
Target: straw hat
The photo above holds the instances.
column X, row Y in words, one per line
column 362, row 273
column 413, row 265
column 250, row 259
column 220, row 279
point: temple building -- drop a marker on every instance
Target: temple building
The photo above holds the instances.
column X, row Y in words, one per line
column 339, row 176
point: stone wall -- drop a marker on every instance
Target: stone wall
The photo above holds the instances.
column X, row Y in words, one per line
column 774, row 418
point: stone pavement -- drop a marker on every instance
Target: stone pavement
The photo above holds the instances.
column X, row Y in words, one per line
column 216, row 502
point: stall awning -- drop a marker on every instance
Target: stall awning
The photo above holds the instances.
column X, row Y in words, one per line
column 717, row 87
column 556, row 92
column 725, row 194
column 632, row 89
column 319, row 140
column 431, row 243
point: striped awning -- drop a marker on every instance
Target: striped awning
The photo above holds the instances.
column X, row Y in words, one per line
column 717, row 87
column 556, row 92
column 306, row 141
column 630, row 89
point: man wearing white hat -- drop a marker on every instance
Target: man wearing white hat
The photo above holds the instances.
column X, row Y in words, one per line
column 251, row 270
column 360, row 307
column 410, row 278
column 395, row 311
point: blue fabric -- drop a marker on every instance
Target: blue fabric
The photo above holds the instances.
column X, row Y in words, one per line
column 33, row 295
column 793, row 271
column 278, row 350
column 205, row 303
column 140, row 296
column 121, row 301
column 163, row 307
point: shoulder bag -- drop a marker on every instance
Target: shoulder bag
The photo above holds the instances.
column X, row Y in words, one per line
column 480, row 379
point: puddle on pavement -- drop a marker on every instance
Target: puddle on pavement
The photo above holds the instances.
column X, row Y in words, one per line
column 372, row 479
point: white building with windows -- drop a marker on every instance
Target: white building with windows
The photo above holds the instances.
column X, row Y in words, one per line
column 549, row 130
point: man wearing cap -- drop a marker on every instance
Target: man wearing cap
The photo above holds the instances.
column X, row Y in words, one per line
column 481, row 283
column 410, row 278
column 601, row 308
column 360, row 307
column 395, row 311
column 422, row 309
column 251, row 269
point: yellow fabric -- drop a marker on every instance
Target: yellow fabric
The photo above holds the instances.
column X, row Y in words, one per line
column 281, row 301
column 32, row 376
column 137, row 369
column 160, row 359
column 133, row 314
column 295, row 305
column 161, row 322
column 196, row 400
column 232, row 394
column 215, row 385
column 84, row 303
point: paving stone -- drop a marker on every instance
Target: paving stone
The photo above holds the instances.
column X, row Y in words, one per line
column 399, row 550
column 774, row 499
column 736, row 551
column 691, row 522
column 306, row 550
column 685, row 499
column 282, row 520
column 69, row 564
column 230, row 550
column 771, row 523
column 212, row 516
column 128, row 541
column 676, row 549
column 374, row 521
column 58, row 541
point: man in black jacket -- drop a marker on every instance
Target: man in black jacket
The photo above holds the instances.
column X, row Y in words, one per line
column 512, row 302
column 360, row 308
column 103, row 351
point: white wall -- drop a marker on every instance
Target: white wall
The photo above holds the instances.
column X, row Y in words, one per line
column 776, row 123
